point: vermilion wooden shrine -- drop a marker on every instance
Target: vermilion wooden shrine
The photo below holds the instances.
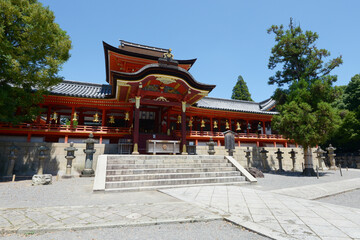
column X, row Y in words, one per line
column 148, row 95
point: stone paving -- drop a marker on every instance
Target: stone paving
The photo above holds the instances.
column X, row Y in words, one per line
column 275, row 215
column 22, row 220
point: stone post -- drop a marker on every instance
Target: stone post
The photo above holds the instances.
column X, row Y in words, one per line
column 263, row 153
column 331, row 155
column 12, row 158
column 211, row 145
column 89, row 151
column 42, row 157
column 70, row 155
column 279, row 158
column 229, row 137
column 293, row 158
column 40, row 178
column 248, row 156
column 319, row 155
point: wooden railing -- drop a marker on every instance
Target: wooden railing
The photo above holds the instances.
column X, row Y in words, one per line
column 237, row 135
column 64, row 128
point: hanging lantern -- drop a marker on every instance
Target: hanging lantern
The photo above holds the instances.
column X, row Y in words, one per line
column 112, row 120
column 190, row 122
column 55, row 117
column 238, row 128
column 96, row 117
column 215, row 124
column 249, row 126
column 227, row 124
column 178, row 119
column 202, row 123
column 127, row 116
column 259, row 126
column 75, row 116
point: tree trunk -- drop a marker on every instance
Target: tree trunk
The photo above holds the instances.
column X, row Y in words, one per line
column 309, row 169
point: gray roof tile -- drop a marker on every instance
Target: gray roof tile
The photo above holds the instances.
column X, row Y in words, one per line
column 233, row 105
column 81, row 89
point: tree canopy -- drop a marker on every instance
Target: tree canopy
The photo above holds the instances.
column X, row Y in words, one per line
column 241, row 91
column 306, row 114
column 32, row 50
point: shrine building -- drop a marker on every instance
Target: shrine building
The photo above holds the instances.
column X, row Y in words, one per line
column 148, row 96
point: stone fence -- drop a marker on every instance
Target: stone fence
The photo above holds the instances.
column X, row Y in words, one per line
column 26, row 163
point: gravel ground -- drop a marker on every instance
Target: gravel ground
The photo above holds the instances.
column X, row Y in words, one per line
column 70, row 192
column 348, row 199
column 199, row 230
column 274, row 180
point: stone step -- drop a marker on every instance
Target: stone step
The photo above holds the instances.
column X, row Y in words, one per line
column 167, row 170
column 171, row 182
column 180, row 165
column 152, row 188
column 137, row 177
column 165, row 161
column 152, row 157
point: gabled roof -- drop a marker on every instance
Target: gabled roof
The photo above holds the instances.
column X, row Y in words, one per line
column 234, row 105
column 81, row 89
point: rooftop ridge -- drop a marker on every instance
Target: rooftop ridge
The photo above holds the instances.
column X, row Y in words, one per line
column 232, row 100
column 84, row 83
column 122, row 42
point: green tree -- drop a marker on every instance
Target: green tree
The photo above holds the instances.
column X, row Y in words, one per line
column 306, row 114
column 352, row 93
column 32, row 50
column 241, row 91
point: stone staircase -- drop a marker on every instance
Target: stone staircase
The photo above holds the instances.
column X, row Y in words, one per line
column 149, row 172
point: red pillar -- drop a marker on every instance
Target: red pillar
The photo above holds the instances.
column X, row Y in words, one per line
column 264, row 129
column 136, row 126
column 48, row 115
column 183, row 127
column 211, row 125
column 28, row 137
column 247, row 127
column 72, row 116
column 103, row 118
column 66, row 139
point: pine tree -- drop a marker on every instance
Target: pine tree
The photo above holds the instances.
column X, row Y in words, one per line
column 241, row 91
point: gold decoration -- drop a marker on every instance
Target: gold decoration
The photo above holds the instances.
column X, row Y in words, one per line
column 227, row 124
column 161, row 99
column 238, row 128
column 96, row 117
column 191, row 123
column 168, row 55
column 75, row 116
column 178, row 119
column 55, row 116
column 215, row 124
column 127, row 116
column 112, row 119
column 202, row 123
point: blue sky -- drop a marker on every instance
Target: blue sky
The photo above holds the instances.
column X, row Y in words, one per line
column 228, row 38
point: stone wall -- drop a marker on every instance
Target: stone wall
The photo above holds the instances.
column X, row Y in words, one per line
column 256, row 161
column 55, row 163
column 26, row 163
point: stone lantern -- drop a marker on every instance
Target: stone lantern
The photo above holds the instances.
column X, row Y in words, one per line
column 70, row 155
column 331, row 155
column 293, row 158
column 12, row 156
column 279, row 158
column 319, row 155
column 40, row 178
column 264, row 157
column 89, row 151
column 248, row 156
column 211, row 145
column 229, row 137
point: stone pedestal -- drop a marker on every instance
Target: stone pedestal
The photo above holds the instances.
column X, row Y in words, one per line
column 319, row 155
column 264, row 157
column 41, row 179
column 279, row 158
column 89, row 151
column 331, row 155
column 293, row 159
column 211, row 145
column 248, row 156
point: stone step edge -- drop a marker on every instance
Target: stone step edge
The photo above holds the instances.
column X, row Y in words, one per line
column 176, row 179
column 159, row 174
column 152, row 188
column 180, row 165
column 152, row 169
